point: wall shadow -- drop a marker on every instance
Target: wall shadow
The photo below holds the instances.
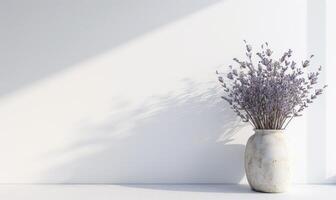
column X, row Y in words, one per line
column 41, row 38
column 330, row 180
column 208, row 188
column 162, row 142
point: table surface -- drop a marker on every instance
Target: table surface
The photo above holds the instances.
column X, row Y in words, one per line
column 158, row 192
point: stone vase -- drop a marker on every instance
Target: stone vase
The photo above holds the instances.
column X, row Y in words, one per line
column 267, row 161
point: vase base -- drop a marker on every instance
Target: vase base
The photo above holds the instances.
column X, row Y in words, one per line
column 269, row 190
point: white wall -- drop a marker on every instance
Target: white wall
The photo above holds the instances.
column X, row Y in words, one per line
column 331, row 95
column 316, row 133
column 125, row 91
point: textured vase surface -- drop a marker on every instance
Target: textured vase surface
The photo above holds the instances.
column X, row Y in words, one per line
column 267, row 161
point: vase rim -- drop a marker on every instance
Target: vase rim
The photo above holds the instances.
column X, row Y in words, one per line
column 268, row 131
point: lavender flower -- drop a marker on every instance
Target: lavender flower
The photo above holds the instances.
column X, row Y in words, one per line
column 272, row 92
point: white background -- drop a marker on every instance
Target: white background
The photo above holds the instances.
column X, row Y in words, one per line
column 125, row 91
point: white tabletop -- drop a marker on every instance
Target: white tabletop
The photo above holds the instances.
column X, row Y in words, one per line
column 158, row 192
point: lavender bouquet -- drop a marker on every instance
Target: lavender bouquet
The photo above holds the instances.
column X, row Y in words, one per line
column 271, row 92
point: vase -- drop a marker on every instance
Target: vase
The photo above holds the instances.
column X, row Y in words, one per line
column 267, row 161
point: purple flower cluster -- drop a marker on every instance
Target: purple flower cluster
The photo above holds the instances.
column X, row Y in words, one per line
column 272, row 92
